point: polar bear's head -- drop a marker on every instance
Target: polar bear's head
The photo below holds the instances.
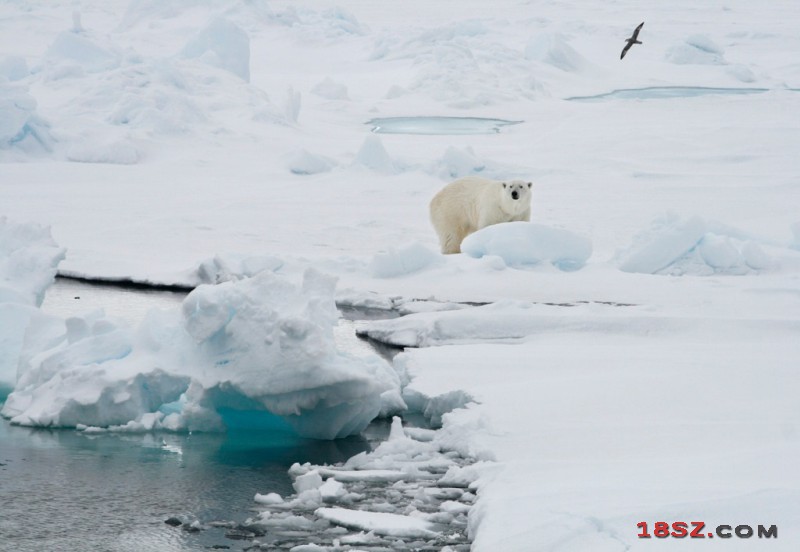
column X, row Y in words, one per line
column 516, row 196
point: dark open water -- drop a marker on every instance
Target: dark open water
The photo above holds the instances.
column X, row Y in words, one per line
column 64, row 490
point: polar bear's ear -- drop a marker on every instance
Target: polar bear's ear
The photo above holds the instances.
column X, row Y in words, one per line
column 530, row 184
column 504, row 184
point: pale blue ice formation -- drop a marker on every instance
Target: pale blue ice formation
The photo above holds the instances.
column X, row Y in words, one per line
column 522, row 244
column 222, row 44
column 438, row 125
column 679, row 246
column 20, row 126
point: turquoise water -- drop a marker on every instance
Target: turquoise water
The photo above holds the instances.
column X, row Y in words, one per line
column 64, row 490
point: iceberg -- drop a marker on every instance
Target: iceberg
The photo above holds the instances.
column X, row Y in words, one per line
column 256, row 353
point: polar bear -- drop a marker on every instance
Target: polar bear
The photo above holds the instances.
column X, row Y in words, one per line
column 471, row 203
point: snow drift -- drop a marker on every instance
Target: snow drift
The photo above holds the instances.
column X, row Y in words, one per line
column 691, row 245
column 526, row 244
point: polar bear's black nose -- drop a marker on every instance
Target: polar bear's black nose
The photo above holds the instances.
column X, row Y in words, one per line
column 515, row 195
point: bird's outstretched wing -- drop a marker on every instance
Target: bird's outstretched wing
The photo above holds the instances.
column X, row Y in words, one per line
column 625, row 49
column 636, row 31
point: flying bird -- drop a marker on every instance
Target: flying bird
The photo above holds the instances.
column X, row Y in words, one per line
column 632, row 40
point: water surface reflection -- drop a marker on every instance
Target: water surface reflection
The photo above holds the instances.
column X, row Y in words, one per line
column 65, row 490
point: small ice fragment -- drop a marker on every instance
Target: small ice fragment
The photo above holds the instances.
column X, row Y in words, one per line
column 311, row 480
column 269, row 498
column 332, row 490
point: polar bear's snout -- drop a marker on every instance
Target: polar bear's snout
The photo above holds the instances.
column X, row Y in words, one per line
column 515, row 195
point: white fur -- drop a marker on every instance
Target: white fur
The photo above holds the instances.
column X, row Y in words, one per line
column 471, row 203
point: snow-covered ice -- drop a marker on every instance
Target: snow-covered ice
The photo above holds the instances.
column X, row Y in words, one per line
column 523, row 243
column 656, row 382
column 380, row 523
column 693, row 246
column 260, row 347
column 222, row 44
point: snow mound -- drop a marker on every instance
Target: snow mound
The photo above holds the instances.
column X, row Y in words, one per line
column 306, row 163
column 464, row 64
column 373, row 155
column 553, row 49
column 117, row 152
column 522, row 244
column 335, row 22
column 158, row 97
column 112, row 100
column 402, row 261
column 662, row 244
column 696, row 50
column 221, row 44
column 332, row 24
column 458, row 162
column 742, row 73
column 20, row 127
column 78, row 53
column 256, row 353
column 691, row 246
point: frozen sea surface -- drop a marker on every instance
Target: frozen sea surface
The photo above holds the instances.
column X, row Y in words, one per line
column 438, row 125
column 69, row 297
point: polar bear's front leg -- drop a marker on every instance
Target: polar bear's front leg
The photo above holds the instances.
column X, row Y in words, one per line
column 451, row 243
